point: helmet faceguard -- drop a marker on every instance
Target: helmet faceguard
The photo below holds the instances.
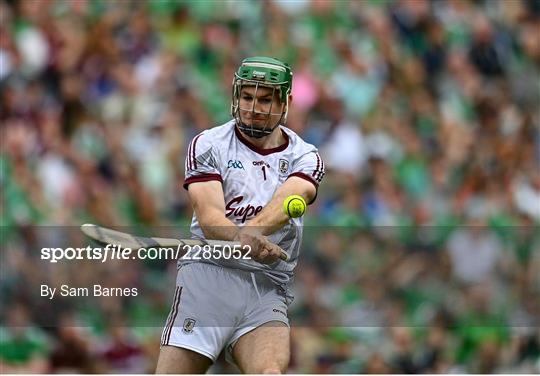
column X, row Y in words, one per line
column 261, row 72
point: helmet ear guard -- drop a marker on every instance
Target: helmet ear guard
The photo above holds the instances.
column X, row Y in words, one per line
column 261, row 72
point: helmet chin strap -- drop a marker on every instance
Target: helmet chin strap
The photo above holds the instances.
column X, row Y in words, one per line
column 251, row 131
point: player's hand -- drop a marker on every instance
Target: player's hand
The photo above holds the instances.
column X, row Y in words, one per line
column 262, row 250
column 269, row 254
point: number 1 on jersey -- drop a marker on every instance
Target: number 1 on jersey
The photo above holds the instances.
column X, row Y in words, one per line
column 264, row 172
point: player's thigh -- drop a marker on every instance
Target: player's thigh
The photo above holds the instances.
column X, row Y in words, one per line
column 178, row 360
column 264, row 349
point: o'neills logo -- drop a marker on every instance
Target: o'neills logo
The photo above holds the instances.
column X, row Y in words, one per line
column 241, row 212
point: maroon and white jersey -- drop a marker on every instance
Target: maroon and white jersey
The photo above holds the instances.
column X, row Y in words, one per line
column 250, row 176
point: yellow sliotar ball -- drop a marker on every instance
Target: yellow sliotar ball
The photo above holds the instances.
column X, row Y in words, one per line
column 294, row 206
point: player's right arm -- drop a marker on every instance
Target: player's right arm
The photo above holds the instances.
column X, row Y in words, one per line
column 204, row 185
column 208, row 203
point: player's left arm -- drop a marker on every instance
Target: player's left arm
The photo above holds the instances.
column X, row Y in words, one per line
column 272, row 217
column 304, row 179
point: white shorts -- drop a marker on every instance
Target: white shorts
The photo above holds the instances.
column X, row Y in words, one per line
column 214, row 306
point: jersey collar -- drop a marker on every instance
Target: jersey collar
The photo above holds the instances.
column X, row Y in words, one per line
column 259, row 150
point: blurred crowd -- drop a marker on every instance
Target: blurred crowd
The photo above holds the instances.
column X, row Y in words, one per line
column 422, row 251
